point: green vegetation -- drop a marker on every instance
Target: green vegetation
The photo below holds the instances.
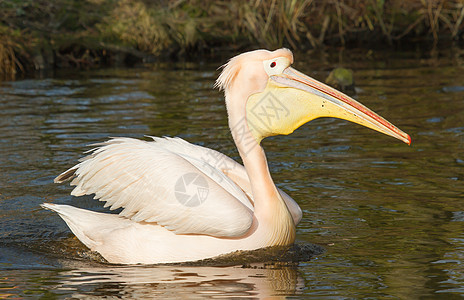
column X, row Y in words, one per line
column 40, row 34
column 341, row 79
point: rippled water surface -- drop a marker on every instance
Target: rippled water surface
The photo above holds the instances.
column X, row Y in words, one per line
column 389, row 216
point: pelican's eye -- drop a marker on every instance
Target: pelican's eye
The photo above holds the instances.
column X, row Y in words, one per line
column 275, row 65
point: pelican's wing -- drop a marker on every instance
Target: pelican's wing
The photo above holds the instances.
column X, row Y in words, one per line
column 181, row 192
column 214, row 164
column 236, row 179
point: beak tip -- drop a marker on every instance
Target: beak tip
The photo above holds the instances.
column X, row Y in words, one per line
column 409, row 140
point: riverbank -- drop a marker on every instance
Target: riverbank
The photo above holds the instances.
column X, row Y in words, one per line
column 40, row 35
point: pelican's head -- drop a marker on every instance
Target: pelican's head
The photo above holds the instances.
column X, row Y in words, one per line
column 278, row 99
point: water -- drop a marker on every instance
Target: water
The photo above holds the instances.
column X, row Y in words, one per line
column 389, row 216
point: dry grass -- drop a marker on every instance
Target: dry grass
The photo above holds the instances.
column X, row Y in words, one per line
column 182, row 24
column 69, row 30
column 9, row 63
column 135, row 25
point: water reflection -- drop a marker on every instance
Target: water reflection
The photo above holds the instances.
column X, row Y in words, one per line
column 166, row 282
column 182, row 282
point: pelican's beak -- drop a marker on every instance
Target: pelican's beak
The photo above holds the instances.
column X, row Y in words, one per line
column 292, row 99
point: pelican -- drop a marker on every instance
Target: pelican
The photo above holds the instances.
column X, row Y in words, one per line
column 183, row 202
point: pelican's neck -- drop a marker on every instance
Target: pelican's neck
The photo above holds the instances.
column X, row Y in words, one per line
column 253, row 157
column 269, row 207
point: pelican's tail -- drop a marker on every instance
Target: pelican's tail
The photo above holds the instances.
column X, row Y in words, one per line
column 113, row 236
column 81, row 222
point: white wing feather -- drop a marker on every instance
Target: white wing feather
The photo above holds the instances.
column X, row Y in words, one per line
column 232, row 175
column 141, row 177
column 211, row 162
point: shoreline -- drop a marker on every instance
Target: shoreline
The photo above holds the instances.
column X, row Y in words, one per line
column 37, row 35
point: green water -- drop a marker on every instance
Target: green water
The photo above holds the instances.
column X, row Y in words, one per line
column 389, row 216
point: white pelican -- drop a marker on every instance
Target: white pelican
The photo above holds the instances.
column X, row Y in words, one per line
column 182, row 202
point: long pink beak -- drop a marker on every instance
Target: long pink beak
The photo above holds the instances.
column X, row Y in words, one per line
column 359, row 113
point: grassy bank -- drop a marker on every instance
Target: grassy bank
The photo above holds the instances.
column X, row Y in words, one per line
column 39, row 34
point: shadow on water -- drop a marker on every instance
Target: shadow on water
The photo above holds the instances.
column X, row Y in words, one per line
column 389, row 216
column 72, row 249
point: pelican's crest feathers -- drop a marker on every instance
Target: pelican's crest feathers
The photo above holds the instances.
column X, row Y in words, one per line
column 231, row 69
